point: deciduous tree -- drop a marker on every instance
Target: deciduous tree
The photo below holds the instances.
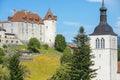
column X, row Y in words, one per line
column 33, row 45
column 60, row 43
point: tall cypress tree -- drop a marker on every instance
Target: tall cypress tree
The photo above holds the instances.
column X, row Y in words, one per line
column 81, row 63
column 16, row 70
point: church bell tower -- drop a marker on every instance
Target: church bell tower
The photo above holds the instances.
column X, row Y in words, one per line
column 103, row 42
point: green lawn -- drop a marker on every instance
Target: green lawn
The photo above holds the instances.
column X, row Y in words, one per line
column 43, row 66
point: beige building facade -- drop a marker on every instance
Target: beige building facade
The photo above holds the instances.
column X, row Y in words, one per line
column 25, row 25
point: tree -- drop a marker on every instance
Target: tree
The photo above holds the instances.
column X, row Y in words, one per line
column 60, row 43
column 2, row 52
column 81, row 60
column 79, row 68
column 66, row 57
column 4, row 73
column 46, row 46
column 16, row 70
column 34, row 45
column 62, row 73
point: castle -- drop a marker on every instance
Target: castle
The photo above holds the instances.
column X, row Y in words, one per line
column 24, row 25
column 103, row 42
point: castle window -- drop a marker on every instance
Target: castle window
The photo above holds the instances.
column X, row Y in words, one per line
column 49, row 17
column 97, row 43
column 6, row 41
column 17, row 42
column 11, row 30
column 102, row 43
column 11, row 41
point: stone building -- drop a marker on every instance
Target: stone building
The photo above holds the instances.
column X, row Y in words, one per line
column 25, row 25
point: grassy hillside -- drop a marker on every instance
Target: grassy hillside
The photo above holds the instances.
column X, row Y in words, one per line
column 43, row 66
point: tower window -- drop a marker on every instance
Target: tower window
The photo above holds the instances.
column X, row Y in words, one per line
column 97, row 43
column 102, row 43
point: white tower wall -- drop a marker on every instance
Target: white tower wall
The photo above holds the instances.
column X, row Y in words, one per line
column 50, row 32
column 105, row 58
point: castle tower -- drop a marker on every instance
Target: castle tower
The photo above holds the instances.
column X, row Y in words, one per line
column 50, row 28
column 103, row 42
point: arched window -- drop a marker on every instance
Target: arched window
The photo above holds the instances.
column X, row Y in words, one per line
column 97, row 43
column 102, row 43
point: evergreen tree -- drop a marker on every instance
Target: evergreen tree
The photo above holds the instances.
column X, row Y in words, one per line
column 60, row 43
column 16, row 70
column 66, row 57
column 81, row 60
column 62, row 73
column 79, row 68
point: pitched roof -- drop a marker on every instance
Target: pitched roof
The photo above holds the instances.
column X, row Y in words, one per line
column 50, row 16
column 118, row 67
column 2, row 29
column 23, row 15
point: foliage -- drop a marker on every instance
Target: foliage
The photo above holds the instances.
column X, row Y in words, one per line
column 80, row 39
column 5, row 46
column 67, row 56
column 62, row 73
column 1, row 59
column 16, row 70
column 46, row 46
column 2, row 53
column 33, row 45
column 79, row 66
column 4, row 73
column 82, row 62
column 60, row 43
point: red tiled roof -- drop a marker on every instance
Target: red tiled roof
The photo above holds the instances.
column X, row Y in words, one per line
column 23, row 15
column 2, row 29
column 50, row 16
column 118, row 67
column 71, row 46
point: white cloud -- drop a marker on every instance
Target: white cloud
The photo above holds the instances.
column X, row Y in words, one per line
column 68, row 23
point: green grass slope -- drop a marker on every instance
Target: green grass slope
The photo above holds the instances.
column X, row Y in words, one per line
column 43, row 66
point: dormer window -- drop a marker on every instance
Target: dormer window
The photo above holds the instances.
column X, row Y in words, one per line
column 49, row 17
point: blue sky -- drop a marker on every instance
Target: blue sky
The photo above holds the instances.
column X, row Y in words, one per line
column 71, row 14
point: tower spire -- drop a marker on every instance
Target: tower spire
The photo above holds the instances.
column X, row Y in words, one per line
column 103, row 16
column 102, row 3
